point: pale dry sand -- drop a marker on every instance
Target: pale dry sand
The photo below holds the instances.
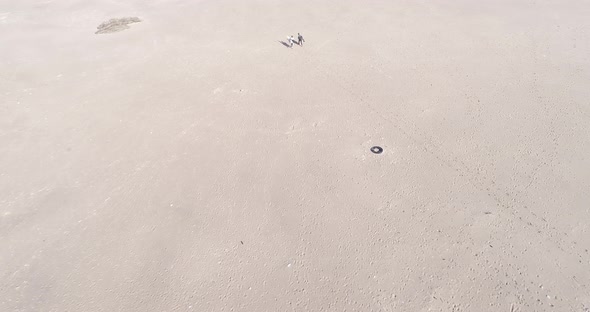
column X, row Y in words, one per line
column 193, row 163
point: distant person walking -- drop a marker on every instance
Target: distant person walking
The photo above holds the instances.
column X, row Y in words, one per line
column 291, row 40
column 300, row 39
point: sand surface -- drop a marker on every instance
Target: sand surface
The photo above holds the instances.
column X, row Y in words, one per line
column 192, row 162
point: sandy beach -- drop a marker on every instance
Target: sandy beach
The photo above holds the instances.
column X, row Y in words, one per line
column 184, row 159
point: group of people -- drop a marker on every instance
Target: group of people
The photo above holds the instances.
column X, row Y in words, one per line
column 299, row 41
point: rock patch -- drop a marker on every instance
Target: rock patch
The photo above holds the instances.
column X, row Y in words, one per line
column 116, row 25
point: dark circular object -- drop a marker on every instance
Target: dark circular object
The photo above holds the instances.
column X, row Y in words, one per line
column 377, row 149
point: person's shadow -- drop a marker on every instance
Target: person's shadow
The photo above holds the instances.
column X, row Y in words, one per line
column 285, row 44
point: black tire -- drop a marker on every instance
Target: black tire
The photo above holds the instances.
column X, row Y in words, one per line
column 377, row 149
